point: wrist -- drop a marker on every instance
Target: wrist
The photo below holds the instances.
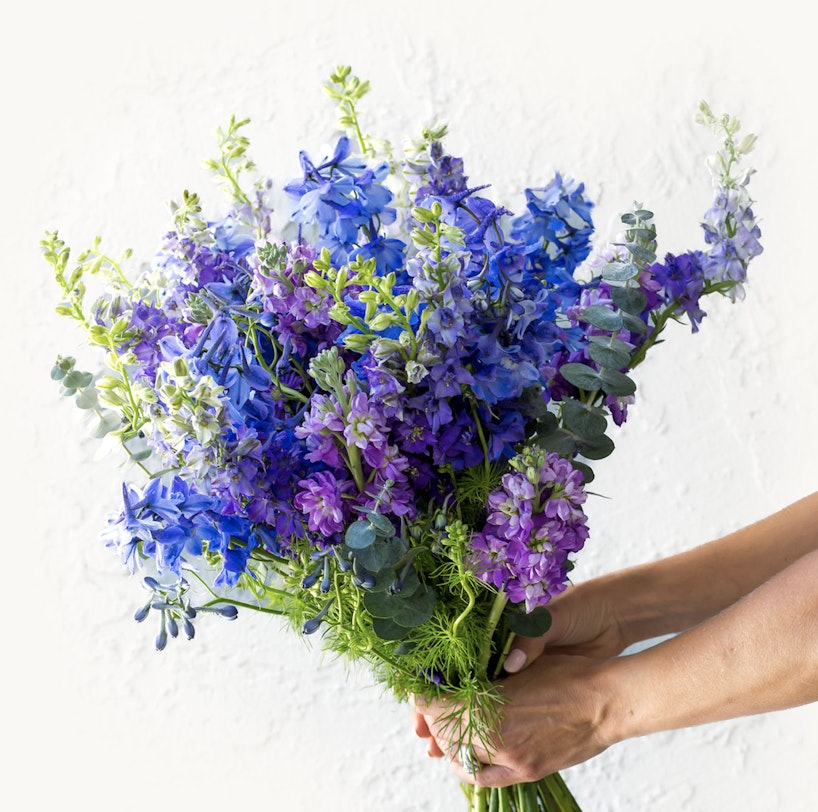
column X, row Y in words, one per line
column 643, row 602
column 614, row 597
column 617, row 717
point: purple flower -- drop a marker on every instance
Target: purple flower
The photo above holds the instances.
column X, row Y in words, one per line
column 681, row 279
column 320, row 498
column 449, row 376
column 531, row 526
column 363, row 423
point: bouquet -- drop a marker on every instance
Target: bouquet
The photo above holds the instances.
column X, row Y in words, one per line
column 377, row 417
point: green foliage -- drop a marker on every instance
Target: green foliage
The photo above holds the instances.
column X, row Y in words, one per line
column 347, row 90
column 527, row 624
column 603, row 318
column 728, row 158
column 359, row 535
column 232, row 161
column 187, row 217
column 608, row 356
column 581, row 375
column 619, row 271
column 583, row 419
column 631, row 300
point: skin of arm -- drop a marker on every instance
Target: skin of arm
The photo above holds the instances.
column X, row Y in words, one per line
column 602, row 617
column 747, row 607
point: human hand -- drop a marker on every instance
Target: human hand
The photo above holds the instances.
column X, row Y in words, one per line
column 554, row 718
column 584, row 621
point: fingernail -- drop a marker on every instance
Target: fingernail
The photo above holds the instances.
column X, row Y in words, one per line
column 515, row 661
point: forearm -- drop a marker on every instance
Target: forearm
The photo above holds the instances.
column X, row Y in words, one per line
column 758, row 655
column 676, row 593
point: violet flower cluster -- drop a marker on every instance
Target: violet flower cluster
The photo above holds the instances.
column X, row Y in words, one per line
column 535, row 520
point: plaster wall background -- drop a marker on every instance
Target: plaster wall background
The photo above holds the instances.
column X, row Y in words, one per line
column 108, row 111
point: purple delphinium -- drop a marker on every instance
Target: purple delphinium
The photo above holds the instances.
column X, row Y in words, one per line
column 681, row 279
column 732, row 235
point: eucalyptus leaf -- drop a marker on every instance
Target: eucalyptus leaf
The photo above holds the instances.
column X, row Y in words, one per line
column 359, row 535
column 607, row 341
column 527, row 624
column 617, row 383
column 603, row 318
column 416, row 609
column 548, row 432
column 109, row 422
column 586, row 470
column 597, row 448
column 609, row 357
column 382, row 604
column 581, row 375
column 387, row 629
column 533, row 405
column 383, row 579
column 619, row 271
column 77, row 380
column 633, row 323
column 631, row 300
column 642, row 232
column 586, row 421
column 560, row 442
column 87, row 399
column 640, row 254
column 546, row 424
column 141, row 455
column 382, row 525
column 409, row 586
column 381, row 553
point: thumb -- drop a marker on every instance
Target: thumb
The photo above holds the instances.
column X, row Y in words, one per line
column 523, row 652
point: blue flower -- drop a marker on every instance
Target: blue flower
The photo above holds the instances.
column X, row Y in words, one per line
column 556, row 228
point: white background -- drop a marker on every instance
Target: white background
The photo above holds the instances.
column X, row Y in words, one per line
column 108, row 110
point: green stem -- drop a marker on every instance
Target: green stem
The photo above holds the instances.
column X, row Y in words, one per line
column 495, row 614
column 555, row 795
column 482, row 437
column 481, row 796
column 504, row 654
column 469, row 606
column 243, row 605
column 356, row 467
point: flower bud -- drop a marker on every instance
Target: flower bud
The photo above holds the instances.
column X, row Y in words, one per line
column 308, row 581
column 162, row 637
column 229, row 611
column 312, row 625
column 325, row 581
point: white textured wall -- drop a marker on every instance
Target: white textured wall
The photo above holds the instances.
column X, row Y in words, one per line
column 108, row 110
